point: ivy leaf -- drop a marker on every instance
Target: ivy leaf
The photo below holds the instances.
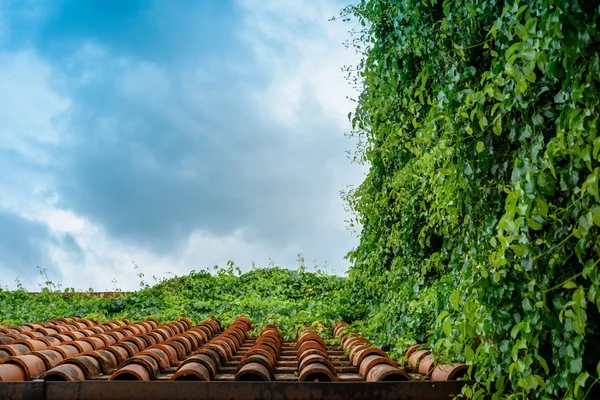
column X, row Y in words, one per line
column 543, row 363
column 480, row 147
column 584, row 224
column 528, row 54
column 596, row 147
column 517, row 249
column 533, row 224
column 454, row 300
column 498, row 128
column 596, row 218
column 576, row 365
column 447, row 327
column 442, row 315
column 512, row 49
column 541, row 206
column 515, row 330
column 469, row 354
column 537, row 119
column 569, row 285
column 580, row 381
column 594, row 68
column 532, row 382
column 500, row 384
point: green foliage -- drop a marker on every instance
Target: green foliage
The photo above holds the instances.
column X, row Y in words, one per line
column 480, row 213
column 289, row 298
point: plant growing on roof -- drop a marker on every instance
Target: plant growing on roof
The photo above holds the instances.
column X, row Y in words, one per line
column 264, row 295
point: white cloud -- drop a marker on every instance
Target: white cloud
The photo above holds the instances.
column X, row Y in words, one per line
column 306, row 68
column 31, row 110
column 31, row 121
column 62, row 221
column 107, row 260
column 304, row 53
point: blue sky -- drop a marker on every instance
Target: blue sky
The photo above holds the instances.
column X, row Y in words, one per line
column 176, row 134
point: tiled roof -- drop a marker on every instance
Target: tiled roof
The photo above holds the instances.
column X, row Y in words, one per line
column 71, row 349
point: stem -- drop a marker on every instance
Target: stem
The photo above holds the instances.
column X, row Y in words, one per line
column 577, row 275
column 478, row 44
column 554, row 247
column 565, row 209
column 596, row 380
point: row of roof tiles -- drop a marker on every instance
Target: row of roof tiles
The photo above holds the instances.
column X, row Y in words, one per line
column 71, row 349
column 375, row 364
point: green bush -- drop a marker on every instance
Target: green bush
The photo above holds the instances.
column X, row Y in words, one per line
column 481, row 211
column 291, row 298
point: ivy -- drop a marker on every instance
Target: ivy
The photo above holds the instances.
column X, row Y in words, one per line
column 290, row 298
column 480, row 213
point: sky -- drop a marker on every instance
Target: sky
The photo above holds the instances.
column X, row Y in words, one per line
column 176, row 135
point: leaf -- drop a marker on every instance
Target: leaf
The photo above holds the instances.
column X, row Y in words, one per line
column 532, row 383
column 576, row 365
column 469, row 354
column 442, row 315
column 517, row 249
column 500, row 383
column 480, row 147
column 512, row 49
column 447, row 327
column 528, row 54
column 580, row 381
column 569, row 285
column 498, row 128
column 521, row 9
column 533, row 224
column 530, row 26
column 541, row 206
column 539, row 304
column 454, row 300
column 543, row 363
column 526, row 304
column 596, row 218
column 515, row 330
column 541, row 382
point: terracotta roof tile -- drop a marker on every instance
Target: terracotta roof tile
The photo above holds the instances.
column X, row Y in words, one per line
column 72, row 349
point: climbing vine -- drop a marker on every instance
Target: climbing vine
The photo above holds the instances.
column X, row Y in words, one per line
column 480, row 213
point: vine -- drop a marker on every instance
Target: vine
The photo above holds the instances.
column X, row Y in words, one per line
column 292, row 298
column 481, row 211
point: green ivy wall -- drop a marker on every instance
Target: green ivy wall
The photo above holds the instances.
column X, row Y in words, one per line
column 481, row 211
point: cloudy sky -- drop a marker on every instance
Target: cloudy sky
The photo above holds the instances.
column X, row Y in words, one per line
column 176, row 134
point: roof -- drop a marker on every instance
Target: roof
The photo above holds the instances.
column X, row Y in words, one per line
column 97, row 353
